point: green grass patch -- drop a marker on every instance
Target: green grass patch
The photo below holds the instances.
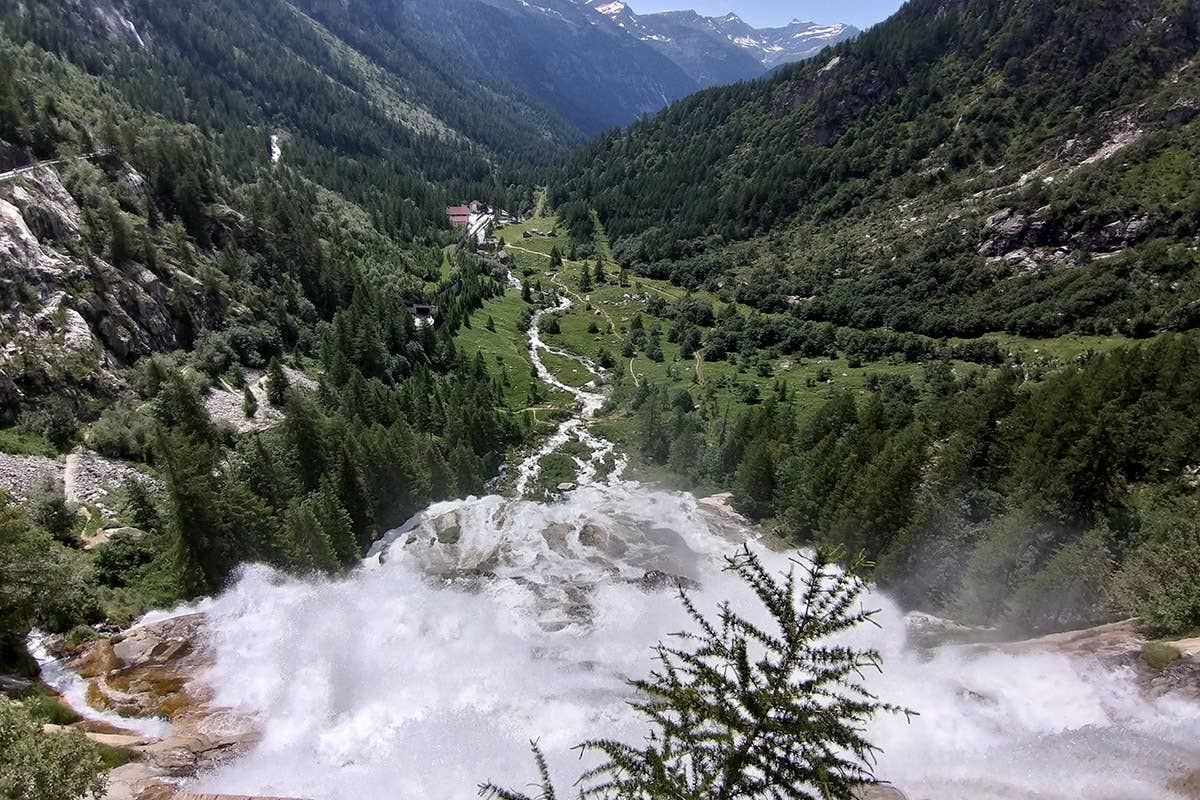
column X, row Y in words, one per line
column 22, row 443
column 1157, row 655
column 556, row 468
column 504, row 350
column 567, row 370
column 1059, row 350
column 114, row 757
column 576, row 449
column 600, row 238
column 49, row 710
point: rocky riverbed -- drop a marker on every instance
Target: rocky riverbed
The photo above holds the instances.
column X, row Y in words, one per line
column 159, row 670
column 155, row 672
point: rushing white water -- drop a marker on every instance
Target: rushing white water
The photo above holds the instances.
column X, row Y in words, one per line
column 429, row 670
column 74, row 691
column 391, row 684
column 576, row 427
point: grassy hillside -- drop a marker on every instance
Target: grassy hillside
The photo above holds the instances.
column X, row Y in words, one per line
column 963, row 168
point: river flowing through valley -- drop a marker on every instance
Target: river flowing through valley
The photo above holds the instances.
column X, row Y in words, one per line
column 485, row 623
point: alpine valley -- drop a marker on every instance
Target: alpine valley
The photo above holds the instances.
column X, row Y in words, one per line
column 791, row 412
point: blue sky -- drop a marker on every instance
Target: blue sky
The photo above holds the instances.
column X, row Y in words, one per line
column 763, row 13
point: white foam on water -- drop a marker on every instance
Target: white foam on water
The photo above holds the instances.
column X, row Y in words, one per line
column 430, row 669
column 408, row 681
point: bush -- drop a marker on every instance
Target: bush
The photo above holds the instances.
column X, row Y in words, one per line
column 1068, row 592
column 212, row 354
column 1157, row 581
column 49, row 509
column 1157, row 655
column 37, row 766
column 118, row 558
column 50, row 710
column 122, row 432
column 54, row 420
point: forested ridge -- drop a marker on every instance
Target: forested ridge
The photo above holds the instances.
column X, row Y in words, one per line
column 959, row 171
column 964, row 174
column 176, row 263
column 961, row 168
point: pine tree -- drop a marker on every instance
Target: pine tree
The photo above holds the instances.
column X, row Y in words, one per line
column 305, row 428
column 599, row 275
column 277, row 383
column 312, row 549
column 249, row 403
column 741, row 710
column 754, row 485
column 585, row 279
column 121, row 245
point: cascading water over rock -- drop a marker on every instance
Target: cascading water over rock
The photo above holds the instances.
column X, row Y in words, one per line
column 430, row 669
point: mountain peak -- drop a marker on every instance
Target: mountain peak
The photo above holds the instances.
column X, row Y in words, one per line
column 611, row 9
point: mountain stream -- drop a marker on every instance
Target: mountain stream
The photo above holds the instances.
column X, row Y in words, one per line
column 484, row 623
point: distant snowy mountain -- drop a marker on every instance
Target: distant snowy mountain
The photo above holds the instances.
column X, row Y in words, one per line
column 713, row 50
column 795, row 41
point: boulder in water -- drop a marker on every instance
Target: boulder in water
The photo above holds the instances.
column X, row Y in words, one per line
column 656, row 580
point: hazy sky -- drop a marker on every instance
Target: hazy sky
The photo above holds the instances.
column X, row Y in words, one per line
column 763, row 13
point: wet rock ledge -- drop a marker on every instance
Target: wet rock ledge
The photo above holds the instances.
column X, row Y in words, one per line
column 152, row 671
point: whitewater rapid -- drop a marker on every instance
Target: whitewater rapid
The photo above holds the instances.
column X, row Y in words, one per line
column 429, row 669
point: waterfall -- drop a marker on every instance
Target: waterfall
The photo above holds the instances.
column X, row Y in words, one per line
column 430, row 668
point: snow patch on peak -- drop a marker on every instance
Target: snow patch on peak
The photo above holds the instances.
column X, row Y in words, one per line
column 611, row 9
column 821, row 32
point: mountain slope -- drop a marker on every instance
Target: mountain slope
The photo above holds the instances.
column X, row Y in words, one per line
column 963, row 167
column 586, row 68
column 402, row 135
column 719, row 50
column 185, row 297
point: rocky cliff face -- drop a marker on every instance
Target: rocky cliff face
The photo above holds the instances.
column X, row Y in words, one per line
column 69, row 317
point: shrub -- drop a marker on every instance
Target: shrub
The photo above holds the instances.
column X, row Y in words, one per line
column 1157, row 580
column 118, row 558
column 54, row 420
column 37, row 766
column 1157, row 655
column 122, row 432
column 746, row 710
column 49, row 509
column 1068, row 592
